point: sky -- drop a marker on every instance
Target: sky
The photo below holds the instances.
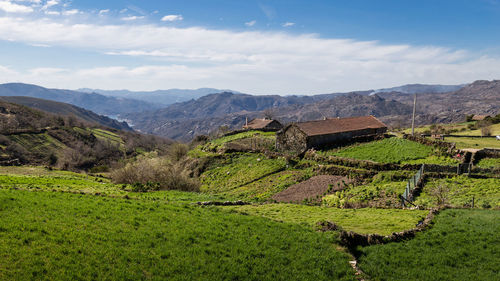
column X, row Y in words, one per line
column 257, row 47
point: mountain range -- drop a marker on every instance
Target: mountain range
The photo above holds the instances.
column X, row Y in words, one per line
column 97, row 103
column 66, row 109
column 163, row 97
column 205, row 114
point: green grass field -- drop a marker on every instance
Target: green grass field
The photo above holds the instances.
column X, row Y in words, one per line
column 495, row 130
column 476, row 143
column 458, row 191
column 489, row 163
column 366, row 220
column 263, row 189
column 462, row 245
column 239, row 170
column 212, row 146
column 61, row 236
column 391, row 150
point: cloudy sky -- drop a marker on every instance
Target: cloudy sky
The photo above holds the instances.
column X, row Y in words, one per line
column 258, row 47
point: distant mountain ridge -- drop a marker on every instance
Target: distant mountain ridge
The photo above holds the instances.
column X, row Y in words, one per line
column 60, row 108
column 164, row 97
column 421, row 88
column 95, row 102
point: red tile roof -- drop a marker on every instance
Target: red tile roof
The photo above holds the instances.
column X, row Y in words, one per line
column 337, row 125
column 258, row 124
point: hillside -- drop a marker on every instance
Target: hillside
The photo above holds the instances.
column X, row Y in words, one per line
column 163, row 97
column 67, row 110
column 421, row 88
column 185, row 120
column 29, row 136
column 95, row 102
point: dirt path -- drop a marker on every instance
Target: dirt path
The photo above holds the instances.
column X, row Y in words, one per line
column 312, row 189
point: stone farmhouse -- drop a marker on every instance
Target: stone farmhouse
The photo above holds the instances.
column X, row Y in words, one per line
column 301, row 136
column 263, row 124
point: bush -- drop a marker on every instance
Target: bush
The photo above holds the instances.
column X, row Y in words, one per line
column 177, row 151
column 155, row 173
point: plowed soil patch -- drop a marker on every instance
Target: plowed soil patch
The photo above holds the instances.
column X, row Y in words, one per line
column 312, row 189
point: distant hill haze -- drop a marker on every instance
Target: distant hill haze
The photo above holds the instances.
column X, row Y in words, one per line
column 67, row 110
column 205, row 114
column 163, row 97
column 95, row 102
column 183, row 121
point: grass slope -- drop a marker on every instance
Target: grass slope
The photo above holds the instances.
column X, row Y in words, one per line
column 381, row 221
column 459, row 190
column 391, row 150
column 462, row 245
column 61, row 236
column 239, row 170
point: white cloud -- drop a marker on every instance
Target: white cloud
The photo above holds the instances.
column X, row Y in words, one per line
column 50, row 3
column 249, row 61
column 71, row 12
column 102, row 12
column 172, row 18
column 9, row 7
column 132, row 18
column 288, row 24
column 52, row 13
column 250, row 23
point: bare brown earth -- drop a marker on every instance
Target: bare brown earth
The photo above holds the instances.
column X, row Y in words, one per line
column 312, row 189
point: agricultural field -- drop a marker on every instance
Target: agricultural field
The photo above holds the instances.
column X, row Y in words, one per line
column 365, row 220
column 211, row 147
column 61, row 236
column 390, row 150
column 459, row 191
column 476, row 143
column 462, row 245
column 489, row 163
column 239, row 170
column 494, row 130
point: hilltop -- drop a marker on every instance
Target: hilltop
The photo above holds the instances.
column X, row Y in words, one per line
column 91, row 101
column 30, row 136
column 67, row 110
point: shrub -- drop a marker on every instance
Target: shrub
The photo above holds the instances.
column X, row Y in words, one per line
column 155, row 173
column 177, row 151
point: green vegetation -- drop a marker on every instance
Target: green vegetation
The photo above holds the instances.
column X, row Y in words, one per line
column 433, row 159
column 381, row 221
column 442, row 128
column 477, row 143
column 239, row 170
column 213, row 146
column 263, row 189
column 494, row 130
column 489, row 163
column 391, row 150
column 61, row 236
column 459, row 191
column 462, row 245
column 383, row 191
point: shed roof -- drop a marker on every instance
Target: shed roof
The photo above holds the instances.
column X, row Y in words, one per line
column 479, row 117
column 258, row 123
column 338, row 125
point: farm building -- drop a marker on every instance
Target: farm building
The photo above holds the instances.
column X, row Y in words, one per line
column 479, row 117
column 263, row 124
column 302, row 136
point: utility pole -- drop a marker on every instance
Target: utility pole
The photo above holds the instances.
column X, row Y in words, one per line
column 413, row 118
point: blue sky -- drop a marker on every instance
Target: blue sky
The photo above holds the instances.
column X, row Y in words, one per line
column 260, row 47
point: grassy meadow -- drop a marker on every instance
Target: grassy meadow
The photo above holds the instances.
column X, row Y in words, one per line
column 61, row 236
column 459, row 191
column 462, row 245
column 391, row 150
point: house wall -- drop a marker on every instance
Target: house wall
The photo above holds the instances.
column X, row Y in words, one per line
column 325, row 140
column 291, row 139
column 275, row 125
